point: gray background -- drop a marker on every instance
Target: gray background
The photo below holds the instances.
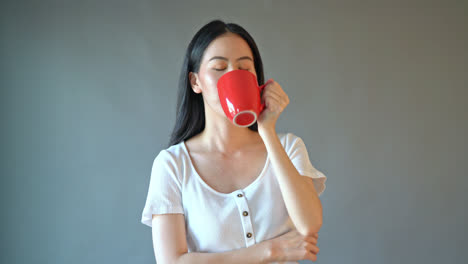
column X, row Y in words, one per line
column 378, row 92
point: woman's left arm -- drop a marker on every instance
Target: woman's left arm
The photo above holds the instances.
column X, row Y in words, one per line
column 299, row 194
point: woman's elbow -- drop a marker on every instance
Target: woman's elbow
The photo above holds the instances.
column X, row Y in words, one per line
column 312, row 229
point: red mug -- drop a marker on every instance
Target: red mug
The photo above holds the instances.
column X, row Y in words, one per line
column 239, row 95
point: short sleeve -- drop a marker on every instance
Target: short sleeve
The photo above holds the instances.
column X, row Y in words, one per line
column 164, row 192
column 299, row 156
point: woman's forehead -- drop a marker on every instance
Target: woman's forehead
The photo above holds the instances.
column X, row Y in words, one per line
column 230, row 46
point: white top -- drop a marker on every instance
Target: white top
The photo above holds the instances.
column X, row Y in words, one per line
column 218, row 222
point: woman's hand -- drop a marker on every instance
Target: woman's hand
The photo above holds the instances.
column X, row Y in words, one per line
column 275, row 100
column 292, row 246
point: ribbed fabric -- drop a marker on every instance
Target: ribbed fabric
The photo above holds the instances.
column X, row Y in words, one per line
column 215, row 221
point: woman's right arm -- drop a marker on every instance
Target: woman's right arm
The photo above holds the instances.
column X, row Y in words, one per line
column 170, row 245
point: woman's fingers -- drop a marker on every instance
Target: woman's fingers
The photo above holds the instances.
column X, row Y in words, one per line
column 312, row 248
column 311, row 240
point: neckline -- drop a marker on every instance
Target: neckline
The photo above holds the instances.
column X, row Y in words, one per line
column 248, row 187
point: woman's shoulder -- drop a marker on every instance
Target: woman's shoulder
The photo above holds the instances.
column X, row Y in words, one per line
column 170, row 162
column 171, row 154
column 288, row 138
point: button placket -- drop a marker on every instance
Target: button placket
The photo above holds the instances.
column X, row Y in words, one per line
column 244, row 214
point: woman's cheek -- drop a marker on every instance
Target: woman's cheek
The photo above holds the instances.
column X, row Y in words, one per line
column 212, row 80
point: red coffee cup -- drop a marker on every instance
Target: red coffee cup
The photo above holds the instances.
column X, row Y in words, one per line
column 239, row 95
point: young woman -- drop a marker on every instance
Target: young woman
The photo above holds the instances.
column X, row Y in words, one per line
column 226, row 194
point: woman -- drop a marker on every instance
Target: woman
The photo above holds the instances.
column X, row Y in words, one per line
column 226, row 194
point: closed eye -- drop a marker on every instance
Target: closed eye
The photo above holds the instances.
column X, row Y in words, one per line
column 225, row 69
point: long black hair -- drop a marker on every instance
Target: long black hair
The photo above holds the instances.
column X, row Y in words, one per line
column 190, row 114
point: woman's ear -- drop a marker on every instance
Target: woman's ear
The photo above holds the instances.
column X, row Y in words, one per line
column 195, row 83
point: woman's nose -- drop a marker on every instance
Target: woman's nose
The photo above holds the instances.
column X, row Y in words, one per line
column 232, row 68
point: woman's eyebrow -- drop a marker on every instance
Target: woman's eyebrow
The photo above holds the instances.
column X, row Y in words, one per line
column 223, row 58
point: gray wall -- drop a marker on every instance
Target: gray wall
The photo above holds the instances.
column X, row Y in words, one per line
column 378, row 93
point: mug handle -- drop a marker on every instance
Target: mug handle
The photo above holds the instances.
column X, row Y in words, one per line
column 261, row 87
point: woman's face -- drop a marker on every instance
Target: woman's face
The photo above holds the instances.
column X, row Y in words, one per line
column 226, row 53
